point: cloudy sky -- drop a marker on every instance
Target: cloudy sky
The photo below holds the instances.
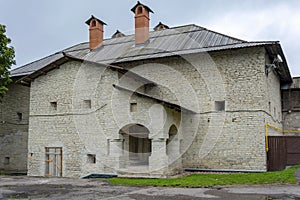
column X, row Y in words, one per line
column 41, row 27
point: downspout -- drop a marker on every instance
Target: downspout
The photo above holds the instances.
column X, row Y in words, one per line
column 267, row 137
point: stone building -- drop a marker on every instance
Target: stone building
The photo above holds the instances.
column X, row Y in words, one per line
column 14, row 115
column 291, row 106
column 152, row 103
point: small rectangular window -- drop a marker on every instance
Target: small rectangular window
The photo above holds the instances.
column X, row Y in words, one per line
column 133, row 107
column 87, row 104
column 220, row 105
column 6, row 160
column 20, row 116
column 91, row 158
column 53, row 105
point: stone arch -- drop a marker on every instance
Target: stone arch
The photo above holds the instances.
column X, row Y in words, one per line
column 136, row 144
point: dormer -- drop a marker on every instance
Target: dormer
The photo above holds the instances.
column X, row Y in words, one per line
column 160, row 26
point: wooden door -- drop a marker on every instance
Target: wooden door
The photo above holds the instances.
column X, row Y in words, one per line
column 53, row 161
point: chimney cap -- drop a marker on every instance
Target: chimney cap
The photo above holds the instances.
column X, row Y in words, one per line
column 91, row 18
column 138, row 4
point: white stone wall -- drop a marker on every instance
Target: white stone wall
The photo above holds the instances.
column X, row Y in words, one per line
column 81, row 130
column 234, row 139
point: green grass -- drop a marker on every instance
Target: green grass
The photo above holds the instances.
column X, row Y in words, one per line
column 286, row 176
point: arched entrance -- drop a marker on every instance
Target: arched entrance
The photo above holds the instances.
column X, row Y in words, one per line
column 173, row 144
column 137, row 145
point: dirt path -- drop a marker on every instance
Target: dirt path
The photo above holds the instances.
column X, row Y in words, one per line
column 23, row 187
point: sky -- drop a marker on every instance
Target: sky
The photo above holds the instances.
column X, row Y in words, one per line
column 39, row 28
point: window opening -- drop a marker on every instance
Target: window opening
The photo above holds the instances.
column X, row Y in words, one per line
column 20, row 116
column 133, row 107
column 53, row 105
column 220, row 105
column 91, row 158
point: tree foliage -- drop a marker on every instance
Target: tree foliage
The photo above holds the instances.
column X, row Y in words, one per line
column 7, row 55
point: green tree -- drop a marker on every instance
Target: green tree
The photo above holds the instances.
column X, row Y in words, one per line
column 7, row 55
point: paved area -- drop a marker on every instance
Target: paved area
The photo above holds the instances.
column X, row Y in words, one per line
column 22, row 187
column 297, row 175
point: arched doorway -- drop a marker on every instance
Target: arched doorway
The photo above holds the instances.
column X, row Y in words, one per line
column 137, row 144
column 173, row 143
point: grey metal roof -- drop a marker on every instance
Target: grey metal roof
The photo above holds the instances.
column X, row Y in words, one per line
column 168, row 42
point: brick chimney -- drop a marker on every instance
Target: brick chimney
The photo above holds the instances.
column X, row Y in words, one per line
column 142, row 19
column 96, row 32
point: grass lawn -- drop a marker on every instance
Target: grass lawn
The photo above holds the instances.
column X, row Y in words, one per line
column 206, row 180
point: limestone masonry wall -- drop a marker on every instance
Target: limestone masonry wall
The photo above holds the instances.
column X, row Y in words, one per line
column 14, row 115
column 227, row 97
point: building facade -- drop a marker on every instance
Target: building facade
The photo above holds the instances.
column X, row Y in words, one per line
column 291, row 107
column 153, row 103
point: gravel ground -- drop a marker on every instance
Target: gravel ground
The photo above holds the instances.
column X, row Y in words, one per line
column 23, row 187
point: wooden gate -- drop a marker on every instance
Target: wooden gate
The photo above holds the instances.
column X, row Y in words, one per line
column 293, row 150
column 53, row 161
column 283, row 151
column 276, row 156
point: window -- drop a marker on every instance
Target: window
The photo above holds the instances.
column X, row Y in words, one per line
column 220, row 105
column 53, row 105
column 87, row 104
column 91, row 158
column 133, row 107
column 6, row 160
column 139, row 10
column 93, row 23
column 20, row 116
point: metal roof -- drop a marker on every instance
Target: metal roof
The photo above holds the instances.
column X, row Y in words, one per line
column 181, row 40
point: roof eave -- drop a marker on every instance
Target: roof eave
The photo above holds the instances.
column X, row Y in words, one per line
column 283, row 70
column 169, row 104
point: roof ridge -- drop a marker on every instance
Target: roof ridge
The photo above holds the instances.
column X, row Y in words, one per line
column 177, row 27
column 234, row 38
